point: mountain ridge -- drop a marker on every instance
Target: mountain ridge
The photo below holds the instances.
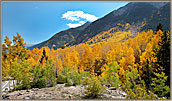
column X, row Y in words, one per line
column 134, row 13
column 61, row 36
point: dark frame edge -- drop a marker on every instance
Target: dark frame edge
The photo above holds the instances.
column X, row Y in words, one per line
column 81, row 1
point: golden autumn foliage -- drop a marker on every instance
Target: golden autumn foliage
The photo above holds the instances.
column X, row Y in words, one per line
column 84, row 57
column 95, row 56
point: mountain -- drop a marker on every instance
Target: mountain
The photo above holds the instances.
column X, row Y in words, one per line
column 29, row 45
column 158, row 4
column 132, row 13
column 162, row 16
column 61, row 38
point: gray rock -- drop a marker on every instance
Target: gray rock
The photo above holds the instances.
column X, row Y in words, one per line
column 13, row 93
column 72, row 87
column 27, row 97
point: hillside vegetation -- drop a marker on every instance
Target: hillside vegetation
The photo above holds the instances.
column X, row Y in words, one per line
column 135, row 62
column 141, row 16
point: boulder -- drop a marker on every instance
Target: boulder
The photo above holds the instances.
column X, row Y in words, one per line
column 27, row 97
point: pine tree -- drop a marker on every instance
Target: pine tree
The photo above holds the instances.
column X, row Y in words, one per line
column 158, row 84
column 43, row 57
column 159, row 27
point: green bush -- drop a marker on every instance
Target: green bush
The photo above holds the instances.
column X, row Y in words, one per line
column 44, row 76
column 20, row 71
column 41, row 83
column 139, row 93
column 85, row 75
column 74, row 76
column 111, row 75
column 61, row 79
column 69, row 83
column 158, row 84
column 50, row 73
column 94, row 88
column 39, row 80
column 85, row 81
column 135, row 87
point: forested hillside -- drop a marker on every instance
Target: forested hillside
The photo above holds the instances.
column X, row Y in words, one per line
column 139, row 65
column 134, row 14
column 123, row 55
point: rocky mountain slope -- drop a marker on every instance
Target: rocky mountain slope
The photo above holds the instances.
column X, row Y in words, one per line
column 133, row 13
column 162, row 16
column 61, row 38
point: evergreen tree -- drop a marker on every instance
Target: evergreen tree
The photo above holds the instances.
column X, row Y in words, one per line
column 43, row 56
column 158, row 84
column 163, row 54
column 159, row 27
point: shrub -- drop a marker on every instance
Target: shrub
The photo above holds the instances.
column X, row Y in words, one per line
column 69, row 83
column 135, row 87
column 132, row 78
column 111, row 75
column 50, row 73
column 85, row 75
column 140, row 93
column 94, row 88
column 85, row 81
column 74, row 76
column 61, row 79
column 20, row 71
column 158, row 84
column 39, row 80
column 44, row 76
column 42, row 83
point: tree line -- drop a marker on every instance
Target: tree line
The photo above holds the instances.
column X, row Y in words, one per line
column 139, row 65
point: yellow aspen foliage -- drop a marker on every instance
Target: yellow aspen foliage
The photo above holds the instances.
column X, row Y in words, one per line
column 10, row 51
column 5, row 68
column 59, row 65
column 148, row 54
column 129, row 60
column 75, row 59
column 53, row 54
column 156, row 39
column 87, row 60
column 71, row 59
column 121, row 73
column 35, row 54
column 96, row 51
column 32, row 62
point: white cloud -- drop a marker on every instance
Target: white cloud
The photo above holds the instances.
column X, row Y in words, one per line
column 77, row 15
column 74, row 25
column 82, row 22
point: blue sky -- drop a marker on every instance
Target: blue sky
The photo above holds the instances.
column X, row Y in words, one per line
column 38, row 21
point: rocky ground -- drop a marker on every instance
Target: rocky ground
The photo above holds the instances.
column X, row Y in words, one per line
column 61, row 92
